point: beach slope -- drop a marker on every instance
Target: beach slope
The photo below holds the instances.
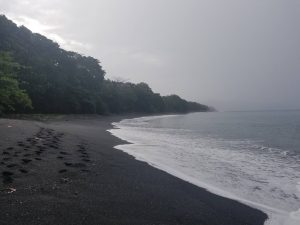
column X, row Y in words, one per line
column 66, row 171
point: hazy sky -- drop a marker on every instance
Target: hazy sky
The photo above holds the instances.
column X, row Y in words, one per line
column 232, row 54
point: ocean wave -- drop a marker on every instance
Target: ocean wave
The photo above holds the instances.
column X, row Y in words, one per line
column 241, row 169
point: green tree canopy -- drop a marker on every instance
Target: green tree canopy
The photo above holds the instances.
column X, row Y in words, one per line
column 12, row 98
column 60, row 81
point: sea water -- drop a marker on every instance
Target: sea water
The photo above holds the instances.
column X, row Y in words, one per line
column 252, row 157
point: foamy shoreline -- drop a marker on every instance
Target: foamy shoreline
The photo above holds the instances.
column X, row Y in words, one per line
column 276, row 216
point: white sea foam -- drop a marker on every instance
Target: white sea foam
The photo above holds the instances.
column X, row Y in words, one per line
column 244, row 170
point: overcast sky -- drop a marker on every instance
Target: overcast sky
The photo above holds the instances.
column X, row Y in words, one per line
column 231, row 54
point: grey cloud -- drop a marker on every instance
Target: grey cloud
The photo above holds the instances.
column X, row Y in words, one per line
column 234, row 54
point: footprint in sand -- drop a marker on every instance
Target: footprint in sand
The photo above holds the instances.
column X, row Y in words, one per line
column 68, row 164
column 21, row 144
column 75, row 165
column 86, row 160
column 84, row 153
column 23, row 171
column 64, row 153
column 84, row 156
column 26, row 161
column 11, row 165
column 41, row 148
column 6, row 159
column 7, row 176
column 53, row 146
column 38, row 152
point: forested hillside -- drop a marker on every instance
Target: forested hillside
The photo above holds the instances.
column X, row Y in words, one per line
column 37, row 76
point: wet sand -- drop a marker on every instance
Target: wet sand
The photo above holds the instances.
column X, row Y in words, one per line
column 66, row 171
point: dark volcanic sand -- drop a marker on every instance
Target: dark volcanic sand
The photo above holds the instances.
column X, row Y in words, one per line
column 67, row 172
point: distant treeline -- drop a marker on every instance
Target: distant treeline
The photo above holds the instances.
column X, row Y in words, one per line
column 37, row 76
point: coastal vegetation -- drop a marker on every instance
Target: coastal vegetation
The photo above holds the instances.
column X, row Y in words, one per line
column 37, row 76
column 12, row 98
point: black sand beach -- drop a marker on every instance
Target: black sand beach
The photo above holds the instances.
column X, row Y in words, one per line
column 66, row 171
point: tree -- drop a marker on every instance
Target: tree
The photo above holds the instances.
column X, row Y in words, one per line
column 54, row 80
column 12, row 98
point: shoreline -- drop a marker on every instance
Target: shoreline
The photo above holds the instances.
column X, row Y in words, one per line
column 94, row 183
column 270, row 211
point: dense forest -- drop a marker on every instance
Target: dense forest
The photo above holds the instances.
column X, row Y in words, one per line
column 37, row 76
